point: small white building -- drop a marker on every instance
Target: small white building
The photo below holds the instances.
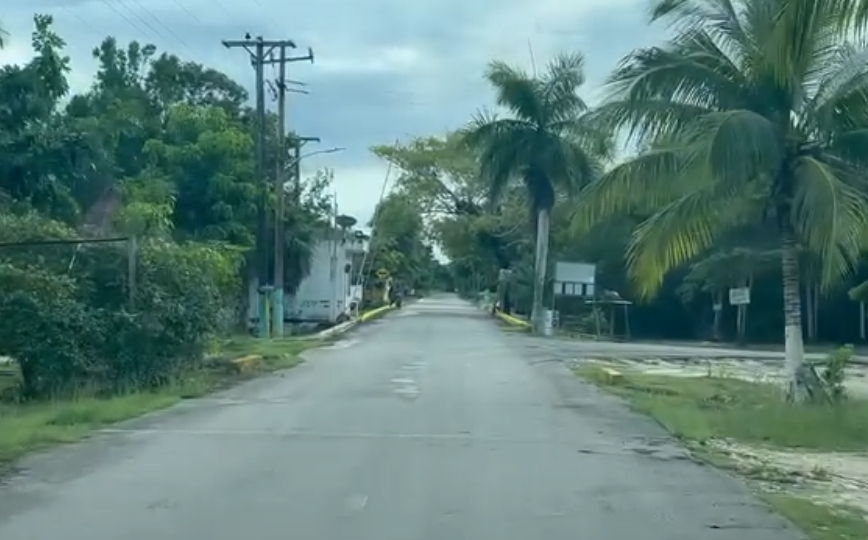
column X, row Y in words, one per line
column 327, row 294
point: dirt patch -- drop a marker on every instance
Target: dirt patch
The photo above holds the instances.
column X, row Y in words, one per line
column 833, row 479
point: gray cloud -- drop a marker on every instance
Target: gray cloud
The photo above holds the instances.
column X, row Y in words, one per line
column 385, row 69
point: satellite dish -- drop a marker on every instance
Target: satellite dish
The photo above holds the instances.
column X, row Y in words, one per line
column 346, row 222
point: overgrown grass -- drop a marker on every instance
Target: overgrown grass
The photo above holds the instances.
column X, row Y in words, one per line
column 697, row 409
column 700, row 408
column 31, row 426
column 820, row 521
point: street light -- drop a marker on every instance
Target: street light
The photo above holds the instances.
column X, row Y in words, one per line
column 294, row 161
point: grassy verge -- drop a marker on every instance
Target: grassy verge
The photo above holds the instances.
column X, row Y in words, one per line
column 698, row 410
column 32, row 426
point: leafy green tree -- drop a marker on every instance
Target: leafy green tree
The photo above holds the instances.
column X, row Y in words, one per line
column 754, row 113
column 544, row 143
column 157, row 148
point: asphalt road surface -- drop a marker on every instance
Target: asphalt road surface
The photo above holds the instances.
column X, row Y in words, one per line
column 430, row 424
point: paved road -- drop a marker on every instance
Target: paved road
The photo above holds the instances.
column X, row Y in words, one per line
column 428, row 425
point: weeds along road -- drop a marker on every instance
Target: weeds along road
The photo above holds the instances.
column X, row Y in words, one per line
column 428, row 424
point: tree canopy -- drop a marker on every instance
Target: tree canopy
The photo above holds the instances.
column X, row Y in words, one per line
column 157, row 149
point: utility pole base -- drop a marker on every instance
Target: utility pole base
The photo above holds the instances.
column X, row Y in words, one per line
column 277, row 312
column 263, row 315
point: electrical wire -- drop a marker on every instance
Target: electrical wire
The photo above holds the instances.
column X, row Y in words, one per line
column 159, row 22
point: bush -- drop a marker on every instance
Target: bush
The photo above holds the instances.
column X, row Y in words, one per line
column 49, row 333
column 70, row 331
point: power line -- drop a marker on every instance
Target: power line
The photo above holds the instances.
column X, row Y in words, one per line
column 122, row 16
column 160, row 23
column 187, row 11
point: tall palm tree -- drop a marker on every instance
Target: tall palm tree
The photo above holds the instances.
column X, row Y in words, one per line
column 543, row 142
column 3, row 36
column 755, row 112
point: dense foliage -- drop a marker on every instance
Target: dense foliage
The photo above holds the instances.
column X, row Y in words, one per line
column 157, row 149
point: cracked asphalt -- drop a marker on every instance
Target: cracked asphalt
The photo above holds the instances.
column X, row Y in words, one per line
column 429, row 424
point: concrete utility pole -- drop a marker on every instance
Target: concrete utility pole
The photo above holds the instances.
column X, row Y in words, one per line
column 279, row 181
column 259, row 49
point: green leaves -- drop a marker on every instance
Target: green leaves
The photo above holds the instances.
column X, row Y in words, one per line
column 543, row 142
column 743, row 113
column 158, row 148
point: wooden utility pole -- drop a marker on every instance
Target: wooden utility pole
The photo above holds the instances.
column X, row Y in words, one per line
column 259, row 49
column 279, row 187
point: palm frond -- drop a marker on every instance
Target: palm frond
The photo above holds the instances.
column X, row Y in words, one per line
column 644, row 119
column 803, row 35
column 559, row 88
column 515, row 91
column 844, row 77
column 719, row 17
column 679, row 231
column 670, row 73
column 646, row 182
column 837, row 113
column 738, row 145
column 852, row 15
column 570, row 165
column 830, row 216
column 504, row 146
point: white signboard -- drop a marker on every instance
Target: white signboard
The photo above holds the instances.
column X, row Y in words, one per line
column 739, row 296
column 571, row 272
column 575, row 279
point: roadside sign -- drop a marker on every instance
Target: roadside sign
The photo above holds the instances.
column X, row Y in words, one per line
column 574, row 279
column 739, row 296
column 382, row 273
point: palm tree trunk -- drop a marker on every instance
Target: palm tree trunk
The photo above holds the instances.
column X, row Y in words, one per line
column 542, row 248
column 794, row 347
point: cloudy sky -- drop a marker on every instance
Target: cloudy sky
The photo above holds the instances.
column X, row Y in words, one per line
column 384, row 70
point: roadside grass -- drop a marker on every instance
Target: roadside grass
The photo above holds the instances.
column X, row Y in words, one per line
column 819, row 521
column 32, row 426
column 700, row 409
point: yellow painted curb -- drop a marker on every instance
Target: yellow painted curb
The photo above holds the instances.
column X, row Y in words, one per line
column 509, row 319
column 612, row 376
column 374, row 313
column 247, row 363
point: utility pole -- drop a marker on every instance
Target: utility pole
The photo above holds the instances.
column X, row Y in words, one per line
column 279, row 181
column 259, row 49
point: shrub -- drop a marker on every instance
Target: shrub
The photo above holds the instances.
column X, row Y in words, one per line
column 69, row 330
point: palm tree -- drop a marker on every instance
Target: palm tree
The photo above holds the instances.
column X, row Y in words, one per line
column 3, row 35
column 543, row 142
column 756, row 112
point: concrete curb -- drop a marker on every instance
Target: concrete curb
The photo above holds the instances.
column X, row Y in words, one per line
column 334, row 330
column 374, row 313
column 349, row 325
column 512, row 321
